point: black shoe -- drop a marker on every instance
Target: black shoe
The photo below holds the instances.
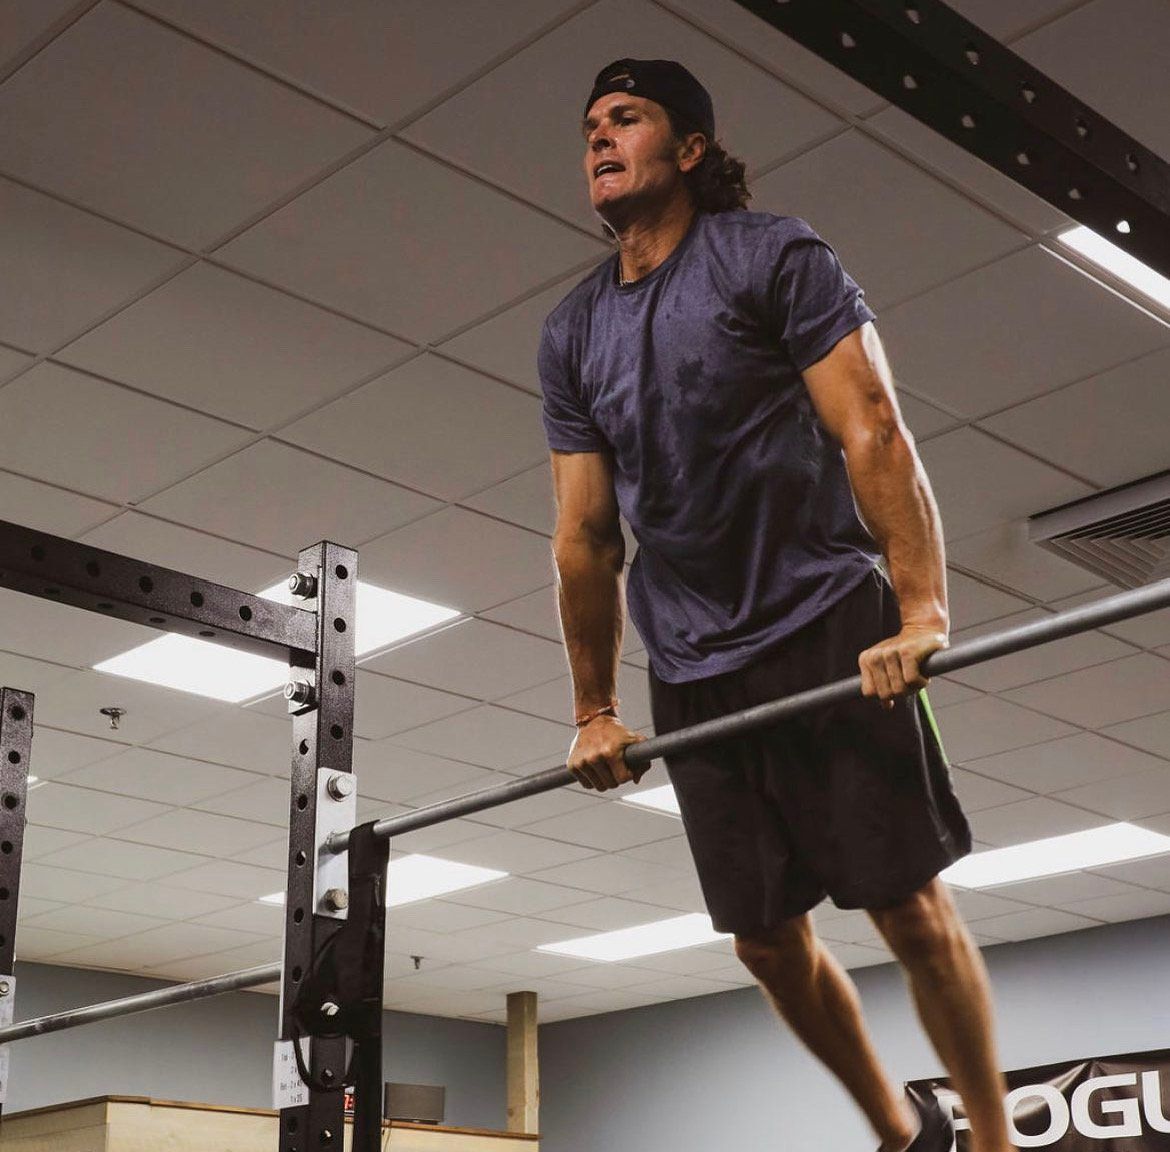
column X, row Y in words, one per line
column 938, row 1132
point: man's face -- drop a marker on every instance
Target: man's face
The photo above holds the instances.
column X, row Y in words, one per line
column 631, row 156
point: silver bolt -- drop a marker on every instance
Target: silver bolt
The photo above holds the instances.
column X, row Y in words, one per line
column 329, row 1009
column 5, row 988
column 298, row 692
column 341, row 786
column 337, row 899
column 303, row 585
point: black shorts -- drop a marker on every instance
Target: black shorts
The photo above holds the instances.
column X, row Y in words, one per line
column 851, row 801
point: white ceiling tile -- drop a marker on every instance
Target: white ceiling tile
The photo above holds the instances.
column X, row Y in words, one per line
column 683, row 962
column 104, row 856
column 384, row 705
column 1147, row 631
column 265, row 919
column 103, row 440
column 44, row 944
column 973, row 602
column 477, row 659
column 436, row 839
column 956, row 164
column 209, row 834
column 732, row 24
column 153, row 149
column 976, row 792
column 554, row 699
column 519, row 813
column 83, row 810
column 1112, row 55
column 55, row 754
column 1011, row 485
column 438, row 916
column 612, row 828
column 1150, row 873
column 28, row 20
column 12, row 361
column 490, row 738
column 404, row 425
column 69, row 887
column 459, row 559
column 30, row 908
column 1005, row 554
column 1043, row 661
column 1150, row 732
column 388, row 772
column 159, row 945
column 238, row 737
column 519, row 895
column 521, row 932
column 612, row 874
column 595, row 1003
column 1022, row 326
column 506, row 345
column 49, row 509
column 342, row 54
column 36, row 676
column 99, row 923
column 681, row 895
column 65, row 268
column 687, row 987
column 673, row 852
column 232, row 348
column 283, row 499
column 1107, row 694
column 185, row 550
column 924, row 420
column 897, row 230
column 161, row 901
column 1058, row 891
column 272, row 855
column 986, row 726
column 1033, row 923
column 1123, row 440
column 526, row 499
column 760, row 118
column 159, row 776
column 262, row 801
column 1032, row 819
column 346, row 242
column 1125, row 797
column 535, row 612
column 40, row 841
column 981, row 905
column 944, row 692
column 229, row 878
column 1007, row 19
column 1134, row 905
column 515, row 852
column 151, row 711
column 1070, row 762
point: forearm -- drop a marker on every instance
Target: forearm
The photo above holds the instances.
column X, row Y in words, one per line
column 896, row 502
column 591, row 595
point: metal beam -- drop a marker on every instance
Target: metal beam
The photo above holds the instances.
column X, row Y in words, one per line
column 947, row 72
column 142, row 1002
column 1110, row 610
column 67, row 572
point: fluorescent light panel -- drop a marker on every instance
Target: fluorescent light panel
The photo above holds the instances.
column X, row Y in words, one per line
column 1094, row 848
column 206, row 669
column 1113, row 259
column 414, row 878
column 659, row 799
column 642, row 940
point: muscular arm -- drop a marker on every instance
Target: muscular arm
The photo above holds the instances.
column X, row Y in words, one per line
column 853, row 392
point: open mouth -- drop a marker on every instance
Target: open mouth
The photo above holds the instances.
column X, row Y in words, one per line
column 606, row 167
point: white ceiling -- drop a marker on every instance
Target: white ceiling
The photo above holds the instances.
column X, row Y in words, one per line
column 276, row 272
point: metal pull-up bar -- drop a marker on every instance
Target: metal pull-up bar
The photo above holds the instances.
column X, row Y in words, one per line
column 1123, row 606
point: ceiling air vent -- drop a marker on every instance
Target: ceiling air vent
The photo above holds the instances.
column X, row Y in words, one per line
column 1122, row 535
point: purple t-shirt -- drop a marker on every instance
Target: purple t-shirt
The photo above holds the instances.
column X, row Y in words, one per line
column 690, row 379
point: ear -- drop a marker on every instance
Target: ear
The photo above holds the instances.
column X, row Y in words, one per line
column 691, row 151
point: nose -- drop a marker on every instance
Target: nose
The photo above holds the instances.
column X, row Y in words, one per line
column 598, row 138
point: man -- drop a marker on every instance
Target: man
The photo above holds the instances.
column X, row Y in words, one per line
column 720, row 382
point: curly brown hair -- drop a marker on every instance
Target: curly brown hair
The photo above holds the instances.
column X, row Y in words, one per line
column 718, row 182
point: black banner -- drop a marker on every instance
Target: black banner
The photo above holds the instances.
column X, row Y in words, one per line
column 1104, row 1104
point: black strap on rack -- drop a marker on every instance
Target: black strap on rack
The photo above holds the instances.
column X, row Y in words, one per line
column 342, row 995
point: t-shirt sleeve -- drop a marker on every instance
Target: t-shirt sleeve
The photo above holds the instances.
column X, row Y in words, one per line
column 568, row 426
column 808, row 296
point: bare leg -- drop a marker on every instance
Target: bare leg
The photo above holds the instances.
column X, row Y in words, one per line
column 812, row 993
column 948, row 981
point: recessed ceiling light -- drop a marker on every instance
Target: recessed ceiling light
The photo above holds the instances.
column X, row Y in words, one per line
column 206, row 669
column 659, row 799
column 1095, row 848
column 642, row 940
column 1116, row 260
column 413, row 878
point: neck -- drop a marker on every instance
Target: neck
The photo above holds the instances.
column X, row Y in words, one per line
column 647, row 240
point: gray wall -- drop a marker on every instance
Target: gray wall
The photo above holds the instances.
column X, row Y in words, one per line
column 220, row 1050
column 718, row 1072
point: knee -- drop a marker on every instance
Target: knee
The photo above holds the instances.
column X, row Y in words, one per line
column 777, row 954
column 924, row 930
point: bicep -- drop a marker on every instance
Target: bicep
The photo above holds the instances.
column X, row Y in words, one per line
column 852, row 388
column 584, row 493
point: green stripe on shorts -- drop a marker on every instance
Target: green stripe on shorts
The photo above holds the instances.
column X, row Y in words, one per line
column 924, row 700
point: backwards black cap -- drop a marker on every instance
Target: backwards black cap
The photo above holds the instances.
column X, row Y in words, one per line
column 664, row 81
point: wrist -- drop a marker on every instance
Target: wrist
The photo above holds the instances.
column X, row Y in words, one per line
column 587, row 716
